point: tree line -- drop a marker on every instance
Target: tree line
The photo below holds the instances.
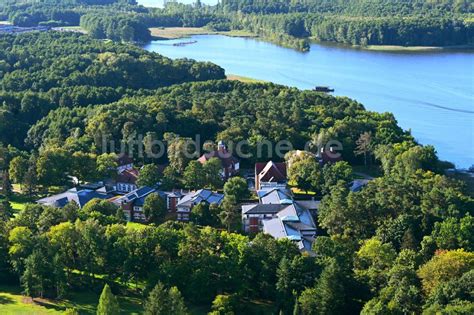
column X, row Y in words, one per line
column 347, row 7
column 405, row 237
column 117, row 27
column 42, row 72
column 287, row 23
column 402, row 244
column 356, row 30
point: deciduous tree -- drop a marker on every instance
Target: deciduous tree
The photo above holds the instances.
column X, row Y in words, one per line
column 155, row 208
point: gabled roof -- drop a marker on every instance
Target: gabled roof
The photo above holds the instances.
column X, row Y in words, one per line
column 134, row 195
column 128, row 176
column 80, row 197
column 139, row 202
column 203, row 195
column 309, row 204
column 271, row 172
column 274, row 196
column 300, row 226
column 293, row 222
column 222, row 154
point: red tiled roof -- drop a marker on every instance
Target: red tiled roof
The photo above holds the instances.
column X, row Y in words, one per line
column 226, row 158
column 330, row 157
column 128, row 176
column 271, row 171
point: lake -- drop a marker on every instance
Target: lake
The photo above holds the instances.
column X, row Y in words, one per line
column 431, row 93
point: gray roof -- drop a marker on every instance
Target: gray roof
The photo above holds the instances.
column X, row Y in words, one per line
column 263, row 208
column 358, row 184
column 80, row 197
column 309, row 204
column 203, row 195
column 274, row 196
column 293, row 222
column 134, row 195
column 300, row 226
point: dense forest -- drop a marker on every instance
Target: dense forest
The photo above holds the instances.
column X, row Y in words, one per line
column 288, row 23
column 348, row 7
column 41, row 72
column 381, row 22
column 403, row 244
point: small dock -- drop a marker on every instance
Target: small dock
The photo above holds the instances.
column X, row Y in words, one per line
column 185, row 43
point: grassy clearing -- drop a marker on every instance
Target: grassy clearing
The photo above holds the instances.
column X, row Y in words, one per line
column 135, row 226
column 182, row 32
column 17, row 206
column 12, row 302
column 390, row 48
column 19, row 202
column 234, row 77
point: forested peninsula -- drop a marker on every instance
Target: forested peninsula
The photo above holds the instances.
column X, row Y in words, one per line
column 60, row 92
column 287, row 23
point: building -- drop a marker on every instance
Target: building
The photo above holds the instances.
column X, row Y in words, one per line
column 254, row 215
column 331, row 155
column 132, row 203
column 173, row 198
column 294, row 223
column 230, row 164
column 188, row 201
column 274, row 196
column 270, row 175
column 80, row 196
column 124, row 162
column 279, row 215
column 127, row 181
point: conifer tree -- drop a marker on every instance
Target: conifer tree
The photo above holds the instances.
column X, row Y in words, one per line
column 108, row 304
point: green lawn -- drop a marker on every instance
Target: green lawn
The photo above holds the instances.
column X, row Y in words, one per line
column 234, row 77
column 17, row 206
column 12, row 302
column 19, row 202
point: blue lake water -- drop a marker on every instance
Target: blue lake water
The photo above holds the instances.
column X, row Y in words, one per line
column 431, row 93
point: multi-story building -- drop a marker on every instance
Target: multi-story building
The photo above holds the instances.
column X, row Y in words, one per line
column 270, row 175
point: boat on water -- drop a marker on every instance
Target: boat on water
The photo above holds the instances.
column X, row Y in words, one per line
column 324, row 89
column 185, row 43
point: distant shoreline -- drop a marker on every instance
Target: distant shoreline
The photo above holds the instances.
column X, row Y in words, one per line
column 395, row 48
column 170, row 33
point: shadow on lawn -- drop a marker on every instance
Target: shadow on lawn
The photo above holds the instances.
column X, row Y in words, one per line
column 47, row 304
column 6, row 300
